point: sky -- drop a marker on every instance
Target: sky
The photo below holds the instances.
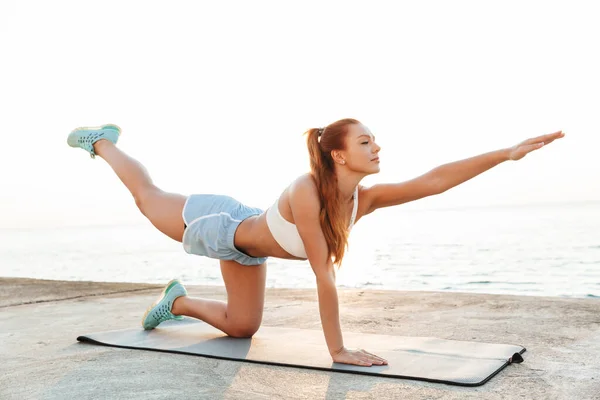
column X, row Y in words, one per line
column 213, row 97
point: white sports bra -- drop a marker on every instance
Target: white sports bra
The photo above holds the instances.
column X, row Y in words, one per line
column 286, row 233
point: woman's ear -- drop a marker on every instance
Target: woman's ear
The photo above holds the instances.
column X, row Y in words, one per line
column 337, row 157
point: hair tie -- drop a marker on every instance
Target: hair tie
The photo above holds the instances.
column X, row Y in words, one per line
column 321, row 130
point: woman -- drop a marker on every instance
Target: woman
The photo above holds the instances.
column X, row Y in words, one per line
column 310, row 220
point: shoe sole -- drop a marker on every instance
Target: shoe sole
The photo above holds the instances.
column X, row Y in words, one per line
column 169, row 286
column 99, row 128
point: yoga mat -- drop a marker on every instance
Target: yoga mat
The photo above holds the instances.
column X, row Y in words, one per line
column 422, row 358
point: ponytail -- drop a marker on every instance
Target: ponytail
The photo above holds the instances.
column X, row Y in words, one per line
column 320, row 142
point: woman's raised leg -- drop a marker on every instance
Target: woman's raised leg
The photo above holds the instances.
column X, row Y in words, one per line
column 241, row 315
column 161, row 208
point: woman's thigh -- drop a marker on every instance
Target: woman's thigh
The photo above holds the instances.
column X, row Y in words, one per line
column 245, row 286
column 164, row 209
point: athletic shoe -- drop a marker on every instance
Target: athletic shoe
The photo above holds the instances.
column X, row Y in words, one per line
column 160, row 310
column 85, row 137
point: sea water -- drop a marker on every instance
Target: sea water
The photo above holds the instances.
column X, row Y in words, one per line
column 541, row 250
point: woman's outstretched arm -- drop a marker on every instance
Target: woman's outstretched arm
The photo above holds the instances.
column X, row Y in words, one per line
column 455, row 173
column 447, row 176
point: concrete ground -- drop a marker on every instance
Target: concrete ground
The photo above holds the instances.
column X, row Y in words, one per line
column 41, row 359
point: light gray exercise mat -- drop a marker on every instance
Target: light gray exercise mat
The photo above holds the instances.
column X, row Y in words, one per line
column 422, row 358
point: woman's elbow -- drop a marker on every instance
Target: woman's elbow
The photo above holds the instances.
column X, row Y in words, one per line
column 325, row 279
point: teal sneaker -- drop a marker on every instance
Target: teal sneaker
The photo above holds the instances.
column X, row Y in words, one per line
column 160, row 310
column 85, row 137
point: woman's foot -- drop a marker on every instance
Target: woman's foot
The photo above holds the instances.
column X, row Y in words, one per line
column 160, row 310
column 85, row 137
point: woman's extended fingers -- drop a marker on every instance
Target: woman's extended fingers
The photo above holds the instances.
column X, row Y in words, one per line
column 373, row 358
column 545, row 138
column 358, row 357
column 376, row 357
column 553, row 138
column 519, row 151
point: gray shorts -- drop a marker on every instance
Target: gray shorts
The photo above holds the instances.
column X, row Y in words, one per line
column 211, row 221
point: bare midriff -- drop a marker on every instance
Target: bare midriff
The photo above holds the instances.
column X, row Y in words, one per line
column 254, row 238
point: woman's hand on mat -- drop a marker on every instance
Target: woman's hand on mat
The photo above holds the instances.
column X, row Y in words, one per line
column 522, row 149
column 357, row 357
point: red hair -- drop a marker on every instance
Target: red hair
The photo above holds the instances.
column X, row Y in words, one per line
column 321, row 142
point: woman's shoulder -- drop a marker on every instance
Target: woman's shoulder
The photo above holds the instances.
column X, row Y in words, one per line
column 303, row 186
column 305, row 180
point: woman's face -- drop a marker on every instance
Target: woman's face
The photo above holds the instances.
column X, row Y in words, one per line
column 362, row 153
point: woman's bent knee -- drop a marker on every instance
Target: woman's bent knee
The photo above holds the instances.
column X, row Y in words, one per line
column 243, row 331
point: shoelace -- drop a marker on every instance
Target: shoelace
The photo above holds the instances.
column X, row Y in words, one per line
column 87, row 142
